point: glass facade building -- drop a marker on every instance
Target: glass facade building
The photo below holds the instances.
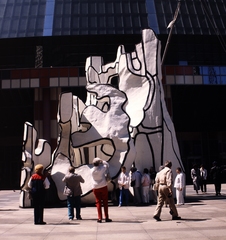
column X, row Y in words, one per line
column 44, row 45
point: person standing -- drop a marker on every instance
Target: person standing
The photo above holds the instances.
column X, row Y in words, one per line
column 100, row 173
column 152, row 175
column 136, row 179
column 164, row 181
column 123, row 182
column 73, row 181
column 146, row 183
column 215, row 173
column 38, row 183
column 195, row 176
column 179, row 184
column 203, row 178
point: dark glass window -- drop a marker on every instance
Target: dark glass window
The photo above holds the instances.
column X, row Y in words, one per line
column 109, row 8
column 34, row 10
column 100, row 8
column 92, row 8
column 60, row 17
column 84, row 8
column 118, row 7
column 126, row 7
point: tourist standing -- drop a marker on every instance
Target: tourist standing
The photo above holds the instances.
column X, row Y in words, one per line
column 179, row 184
column 123, row 182
column 215, row 173
column 136, row 184
column 100, row 173
column 145, row 183
column 73, row 181
column 38, row 183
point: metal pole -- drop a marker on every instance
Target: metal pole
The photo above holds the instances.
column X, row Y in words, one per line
column 171, row 25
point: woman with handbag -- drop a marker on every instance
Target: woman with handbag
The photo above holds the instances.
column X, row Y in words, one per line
column 73, row 191
column 38, row 183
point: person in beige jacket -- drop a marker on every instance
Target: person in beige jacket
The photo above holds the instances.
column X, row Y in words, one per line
column 164, row 181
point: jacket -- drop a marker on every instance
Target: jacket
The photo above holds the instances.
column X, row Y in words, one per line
column 73, row 181
column 165, row 177
column 179, row 181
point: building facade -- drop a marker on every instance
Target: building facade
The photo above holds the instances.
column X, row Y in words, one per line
column 44, row 45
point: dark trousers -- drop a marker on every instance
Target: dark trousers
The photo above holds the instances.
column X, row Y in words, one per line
column 38, row 203
column 74, row 202
column 217, row 185
column 203, row 185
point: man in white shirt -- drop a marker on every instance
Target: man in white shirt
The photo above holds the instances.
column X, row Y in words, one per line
column 179, row 184
column 99, row 174
column 123, row 182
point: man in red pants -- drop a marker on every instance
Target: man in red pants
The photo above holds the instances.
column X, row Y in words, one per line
column 99, row 174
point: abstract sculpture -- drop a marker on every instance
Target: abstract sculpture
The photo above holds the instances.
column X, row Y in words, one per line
column 124, row 125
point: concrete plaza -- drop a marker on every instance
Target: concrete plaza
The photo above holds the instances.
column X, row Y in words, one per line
column 203, row 217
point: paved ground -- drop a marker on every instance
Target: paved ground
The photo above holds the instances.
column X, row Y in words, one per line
column 203, row 217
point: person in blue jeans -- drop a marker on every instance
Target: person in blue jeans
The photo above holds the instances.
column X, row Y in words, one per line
column 123, row 182
column 73, row 181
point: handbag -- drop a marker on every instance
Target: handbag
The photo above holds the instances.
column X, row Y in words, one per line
column 67, row 191
column 133, row 183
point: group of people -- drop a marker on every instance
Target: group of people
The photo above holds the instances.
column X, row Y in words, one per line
column 142, row 184
column 199, row 177
column 100, row 176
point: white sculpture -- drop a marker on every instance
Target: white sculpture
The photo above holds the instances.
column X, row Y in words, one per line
column 31, row 156
column 124, row 126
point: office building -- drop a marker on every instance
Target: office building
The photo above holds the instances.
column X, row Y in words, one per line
column 44, row 45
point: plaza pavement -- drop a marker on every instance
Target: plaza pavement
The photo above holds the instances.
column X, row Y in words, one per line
column 203, row 217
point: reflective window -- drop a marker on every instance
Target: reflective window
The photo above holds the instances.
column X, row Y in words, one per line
column 109, row 8
column 50, row 17
column 223, row 70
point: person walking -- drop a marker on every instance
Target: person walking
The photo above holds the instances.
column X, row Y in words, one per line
column 38, row 183
column 203, row 178
column 73, row 181
column 179, row 184
column 215, row 173
column 136, row 184
column 100, row 174
column 123, row 182
column 195, row 176
column 146, row 183
column 164, row 181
